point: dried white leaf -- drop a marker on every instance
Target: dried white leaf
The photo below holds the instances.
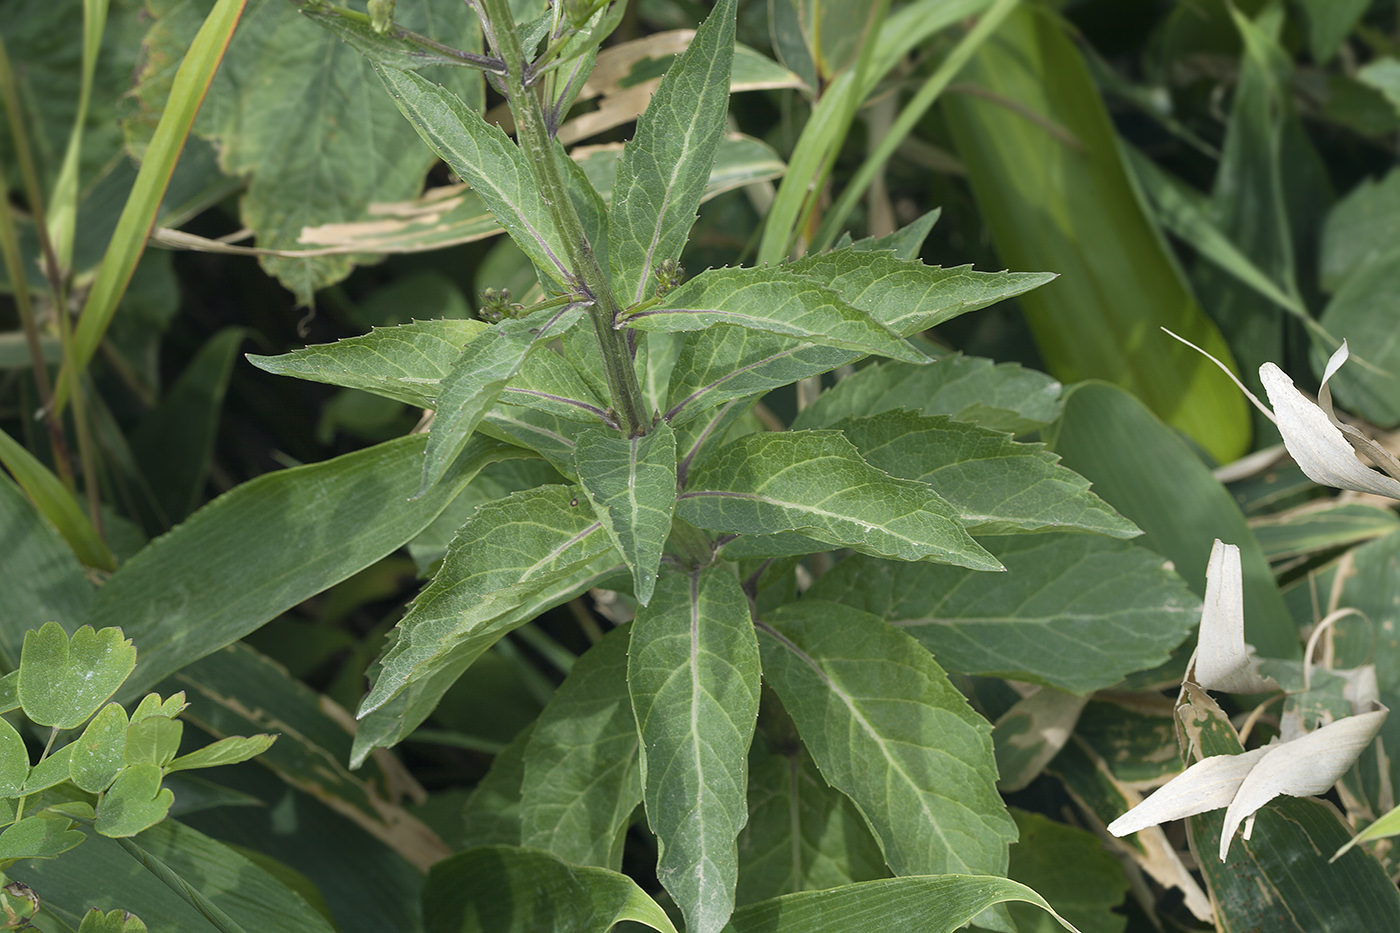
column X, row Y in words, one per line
column 1308, row 765
column 1209, row 784
column 1223, row 661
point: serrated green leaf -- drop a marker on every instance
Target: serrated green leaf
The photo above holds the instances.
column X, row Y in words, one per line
column 665, row 166
column 693, row 672
column 939, row 904
column 815, row 483
column 14, row 761
column 503, row 889
column 907, row 296
column 50, row 772
column 1076, row 612
column 886, row 728
column 904, row 242
column 997, row 485
column 547, row 382
column 134, row 802
column 481, row 154
column 61, row 684
column 776, row 302
column 269, row 544
column 582, row 777
column 99, row 753
column 802, row 834
column 477, row 379
column 491, row 815
column 507, row 552
column 631, row 483
column 45, row 835
column 229, row 751
column 153, row 740
column 1084, row 881
column 403, row 363
column 114, row 921
column 1000, row 396
column 390, row 723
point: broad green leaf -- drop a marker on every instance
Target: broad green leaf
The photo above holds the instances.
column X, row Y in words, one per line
column 1001, row 397
column 403, row 363
column 1361, row 230
column 503, row 889
column 693, row 672
column 1146, row 472
column 802, row 834
column 9, row 691
column 14, row 761
column 1328, row 23
column 815, row 483
column 938, row 904
column 61, row 684
column 581, row 779
column 269, row 544
column 887, row 729
column 229, row 751
column 152, row 740
column 114, row 921
column 631, row 483
column 665, row 166
column 40, row 576
column 390, row 723
column 509, row 551
column 134, row 802
column 1077, row 612
column 491, row 816
column 56, row 504
column 50, row 772
column 1084, row 882
column 907, row 296
column 1361, row 313
column 477, row 379
column 482, row 155
column 100, row 873
column 996, row 485
column 776, row 302
column 99, row 753
column 46, row 835
column 1064, row 201
column 236, row 690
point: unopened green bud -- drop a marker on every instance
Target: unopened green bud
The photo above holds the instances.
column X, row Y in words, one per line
column 668, row 275
column 381, row 15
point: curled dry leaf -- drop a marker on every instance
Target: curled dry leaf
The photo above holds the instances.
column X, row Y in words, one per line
column 1223, row 661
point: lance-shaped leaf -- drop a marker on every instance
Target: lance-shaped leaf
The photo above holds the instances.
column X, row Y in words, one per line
column 997, row 485
column 62, row 683
column 505, row 889
column 478, row 378
column 582, row 778
column 1077, row 612
column 908, row 296
column 887, row 729
column 631, row 482
column 774, row 301
column 664, row 168
column 815, row 483
column 1222, row 660
column 227, row 751
column 693, row 672
column 403, row 363
column 483, row 156
column 508, row 551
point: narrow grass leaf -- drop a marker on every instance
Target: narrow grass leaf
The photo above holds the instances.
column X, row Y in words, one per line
column 56, row 504
column 693, row 673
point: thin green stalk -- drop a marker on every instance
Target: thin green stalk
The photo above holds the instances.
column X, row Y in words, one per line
column 539, row 149
column 207, row 908
column 913, row 112
column 63, row 206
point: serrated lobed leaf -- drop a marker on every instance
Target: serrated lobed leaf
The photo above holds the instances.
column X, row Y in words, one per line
column 774, row 301
column 483, row 156
column 886, row 728
column 666, row 165
column 477, row 379
column 1077, row 612
column 403, row 363
column 998, row 396
column 907, row 296
column 997, row 485
column 134, row 802
column 44, row 835
column 547, row 382
column 693, row 673
column 508, row 551
column 815, row 483
column 62, row 683
column 99, row 753
column 631, row 483
column 582, row 777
